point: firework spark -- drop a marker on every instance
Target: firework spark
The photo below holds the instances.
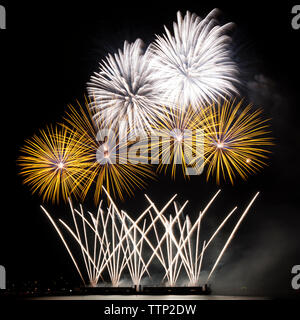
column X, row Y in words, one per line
column 123, row 89
column 52, row 164
column 108, row 162
column 194, row 65
column 236, row 141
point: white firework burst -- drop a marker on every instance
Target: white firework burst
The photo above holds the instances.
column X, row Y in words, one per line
column 123, row 89
column 194, row 66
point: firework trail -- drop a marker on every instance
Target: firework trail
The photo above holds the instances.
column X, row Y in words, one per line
column 194, row 66
column 123, row 89
column 165, row 250
column 113, row 241
column 232, row 235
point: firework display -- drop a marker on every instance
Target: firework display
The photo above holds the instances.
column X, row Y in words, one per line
column 236, row 141
column 114, row 243
column 194, row 65
column 107, row 155
column 156, row 160
column 128, row 122
column 178, row 139
column 124, row 89
column 52, row 164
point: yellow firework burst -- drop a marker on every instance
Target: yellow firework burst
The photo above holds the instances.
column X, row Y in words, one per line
column 52, row 164
column 107, row 155
column 181, row 140
column 236, row 141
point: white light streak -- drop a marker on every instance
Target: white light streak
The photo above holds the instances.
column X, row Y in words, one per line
column 114, row 242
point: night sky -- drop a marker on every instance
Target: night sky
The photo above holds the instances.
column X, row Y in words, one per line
column 48, row 53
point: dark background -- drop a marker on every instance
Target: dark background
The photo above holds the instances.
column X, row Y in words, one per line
column 48, row 53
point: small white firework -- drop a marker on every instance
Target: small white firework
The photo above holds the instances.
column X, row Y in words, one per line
column 194, row 66
column 123, row 89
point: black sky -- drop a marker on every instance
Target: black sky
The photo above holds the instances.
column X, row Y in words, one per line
column 48, row 53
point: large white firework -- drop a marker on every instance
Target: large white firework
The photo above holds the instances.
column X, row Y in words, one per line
column 123, row 89
column 194, row 66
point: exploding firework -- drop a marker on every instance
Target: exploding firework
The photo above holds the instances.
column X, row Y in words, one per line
column 108, row 162
column 53, row 163
column 123, row 89
column 179, row 140
column 114, row 242
column 236, row 141
column 194, row 65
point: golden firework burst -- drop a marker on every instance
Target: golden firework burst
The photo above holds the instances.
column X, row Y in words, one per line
column 178, row 139
column 107, row 150
column 236, row 141
column 52, row 164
